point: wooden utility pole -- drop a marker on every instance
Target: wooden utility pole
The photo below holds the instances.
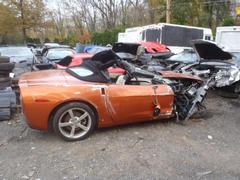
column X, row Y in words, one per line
column 168, row 11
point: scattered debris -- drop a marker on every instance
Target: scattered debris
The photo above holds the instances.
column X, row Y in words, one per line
column 210, row 137
column 31, row 173
column 24, row 177
column 137, row 141
column 204, row 173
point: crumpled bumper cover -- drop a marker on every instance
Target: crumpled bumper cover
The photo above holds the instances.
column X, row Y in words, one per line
column 227, row 77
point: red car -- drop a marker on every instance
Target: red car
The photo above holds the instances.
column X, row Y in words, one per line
column 154, row 47
column 77, row 59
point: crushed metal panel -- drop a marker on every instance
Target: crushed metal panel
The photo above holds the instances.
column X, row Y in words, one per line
column 227, row 77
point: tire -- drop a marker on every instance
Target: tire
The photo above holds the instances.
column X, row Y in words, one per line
column 4, row 75
column 4, row 59
column 5, row 79
column 7, row 67
column 3, row 85
column 74, row 116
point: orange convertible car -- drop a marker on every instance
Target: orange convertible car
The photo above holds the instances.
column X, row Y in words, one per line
column 77, row 100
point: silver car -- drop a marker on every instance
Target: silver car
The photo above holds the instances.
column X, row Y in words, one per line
column 18, row 54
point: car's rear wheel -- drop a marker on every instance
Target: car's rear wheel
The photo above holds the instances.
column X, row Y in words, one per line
column 74, row 121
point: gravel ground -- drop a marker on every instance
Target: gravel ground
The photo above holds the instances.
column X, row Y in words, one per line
column 207, row 148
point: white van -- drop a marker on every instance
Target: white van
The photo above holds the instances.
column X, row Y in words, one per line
column 228, row 38
column 176, row 37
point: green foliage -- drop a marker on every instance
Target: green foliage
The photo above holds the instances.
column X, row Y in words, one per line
column 33, row 40
column 205, row 13
column 229, row 21
column 106, row 37
column 46, row 40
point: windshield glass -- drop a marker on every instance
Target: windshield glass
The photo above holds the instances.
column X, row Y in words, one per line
column 59, row 54
column 16, row 51
column 186, row 57
column 237, row 58
column 97, row 50
column 81, row 71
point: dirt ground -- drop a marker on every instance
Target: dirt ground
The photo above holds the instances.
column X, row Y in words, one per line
column 207, row 148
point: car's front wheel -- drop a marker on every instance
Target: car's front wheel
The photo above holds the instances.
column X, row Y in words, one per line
column 74, row 121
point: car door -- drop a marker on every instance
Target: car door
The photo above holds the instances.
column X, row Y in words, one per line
column 131, row 103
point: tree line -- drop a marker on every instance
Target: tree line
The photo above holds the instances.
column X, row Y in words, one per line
column 99, row 21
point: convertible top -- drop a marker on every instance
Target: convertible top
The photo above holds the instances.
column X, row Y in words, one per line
column 99, row 64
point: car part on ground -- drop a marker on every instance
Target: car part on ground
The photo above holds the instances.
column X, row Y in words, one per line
column 72, row 100
column 7, row 95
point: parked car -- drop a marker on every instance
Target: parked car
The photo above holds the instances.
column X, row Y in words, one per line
column 75, row 60
column 18, row 54
column 77, row 100
column 51, row 45
column 97, row 49
column 55, row 54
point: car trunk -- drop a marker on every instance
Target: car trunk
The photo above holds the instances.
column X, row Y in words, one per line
column 51, row 77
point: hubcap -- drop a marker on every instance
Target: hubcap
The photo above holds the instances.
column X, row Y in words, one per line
column 74, row 123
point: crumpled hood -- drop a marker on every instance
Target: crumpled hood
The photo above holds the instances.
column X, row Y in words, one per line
column 176, row 75
column 210, row 51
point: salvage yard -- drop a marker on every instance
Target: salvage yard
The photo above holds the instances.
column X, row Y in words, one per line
column 206, row 148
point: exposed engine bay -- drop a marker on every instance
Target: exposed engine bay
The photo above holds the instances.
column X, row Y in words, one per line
column 189, row 92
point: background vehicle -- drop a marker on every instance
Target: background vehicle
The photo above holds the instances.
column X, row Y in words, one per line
column 228, row 38
column 18, row 54
column 176, row 37
column 51, row 45
column 55, row 54
column 97, row 49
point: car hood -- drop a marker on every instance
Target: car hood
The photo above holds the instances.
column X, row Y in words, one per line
column 130, row 48
column 210, row 51
column 175, row 75
column 50, row 77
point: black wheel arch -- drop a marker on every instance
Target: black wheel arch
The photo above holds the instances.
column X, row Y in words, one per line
column 50, row 118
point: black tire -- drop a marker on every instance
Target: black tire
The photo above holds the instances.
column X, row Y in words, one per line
column 7, row 67
column 6, row 75
column 3, row 85
column 4, row 59
column 5, row 79
column 62, row 111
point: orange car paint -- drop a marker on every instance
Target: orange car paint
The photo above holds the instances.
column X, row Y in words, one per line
column 44, row 91
column 174, row 75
